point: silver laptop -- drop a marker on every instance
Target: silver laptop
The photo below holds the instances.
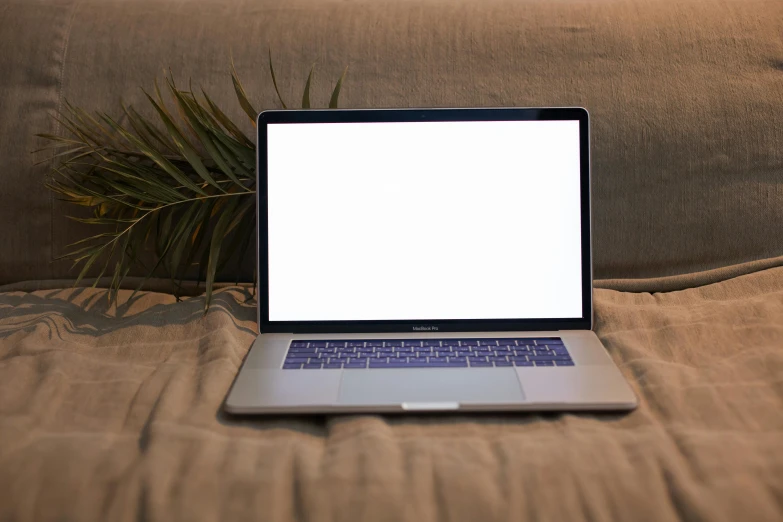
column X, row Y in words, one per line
column 425, row 260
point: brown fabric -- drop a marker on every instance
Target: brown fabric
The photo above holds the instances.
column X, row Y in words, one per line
column 114, row 414
column 657, row 284
column 188, row 288
column 683, row 281
column 686, row 98
column 33, row 40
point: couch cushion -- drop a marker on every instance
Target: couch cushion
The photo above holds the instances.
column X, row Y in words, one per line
column 686, row 98
column 115, row 414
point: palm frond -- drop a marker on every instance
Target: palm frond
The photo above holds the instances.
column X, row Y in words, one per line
column 336, row 91
column 306, row 94
column 179, row 190
column 242, row 97
column 274, row 80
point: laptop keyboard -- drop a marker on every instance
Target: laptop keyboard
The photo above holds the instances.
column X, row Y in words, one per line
column 427, row 353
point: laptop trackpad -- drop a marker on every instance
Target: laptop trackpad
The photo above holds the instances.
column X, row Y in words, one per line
column 421, row 385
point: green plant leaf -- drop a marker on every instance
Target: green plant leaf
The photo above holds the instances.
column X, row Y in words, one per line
column 183, row 145
column 158, row 158
column 242, row 97
column 336, row 91
column 205, row 136
column 91, row 258
column 136, row 185
column 306, row 95
column 99, row 220
column 90, row 125
column 274, row 80
column 185, row 226
column 142, row 125
column 161, row 103
column 162, row 231
column 105, row 266
column 169, row 241
column 241, row 227
column 227, row 123
column 234, row 158
column 73, row 150
column 226, row 217
column 103, row 198
column 83, row 133
column 196, row 240
column 245, row 155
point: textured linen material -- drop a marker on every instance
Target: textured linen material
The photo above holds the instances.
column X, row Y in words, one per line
column 678, row 282
column 114, row 414
column 33, row 43
column 656, row 284
column 686, row 98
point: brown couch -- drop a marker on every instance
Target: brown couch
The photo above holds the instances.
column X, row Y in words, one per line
column 112, row 413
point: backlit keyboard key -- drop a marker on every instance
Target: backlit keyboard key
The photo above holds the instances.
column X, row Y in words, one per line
column 299, row 360
column 386, row 364
column 303, row 352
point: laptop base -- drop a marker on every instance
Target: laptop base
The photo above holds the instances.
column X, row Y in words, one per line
column 593, row 383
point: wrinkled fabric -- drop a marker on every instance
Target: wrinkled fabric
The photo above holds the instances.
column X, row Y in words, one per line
column 114, row 413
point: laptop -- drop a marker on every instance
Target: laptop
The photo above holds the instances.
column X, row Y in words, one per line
column 425, row 260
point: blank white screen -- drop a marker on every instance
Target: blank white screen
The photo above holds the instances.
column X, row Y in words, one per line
column 424, row 220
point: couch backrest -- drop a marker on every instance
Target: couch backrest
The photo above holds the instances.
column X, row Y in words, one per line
column 686, row 99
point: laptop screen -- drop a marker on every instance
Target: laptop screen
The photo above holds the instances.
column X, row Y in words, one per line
column 434, row 220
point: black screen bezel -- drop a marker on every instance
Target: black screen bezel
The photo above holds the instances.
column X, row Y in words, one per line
column 412, row 115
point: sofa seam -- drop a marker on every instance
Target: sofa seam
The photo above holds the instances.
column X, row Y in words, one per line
column 57, row 125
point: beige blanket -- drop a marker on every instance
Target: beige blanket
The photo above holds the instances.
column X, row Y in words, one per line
column 114, row 414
